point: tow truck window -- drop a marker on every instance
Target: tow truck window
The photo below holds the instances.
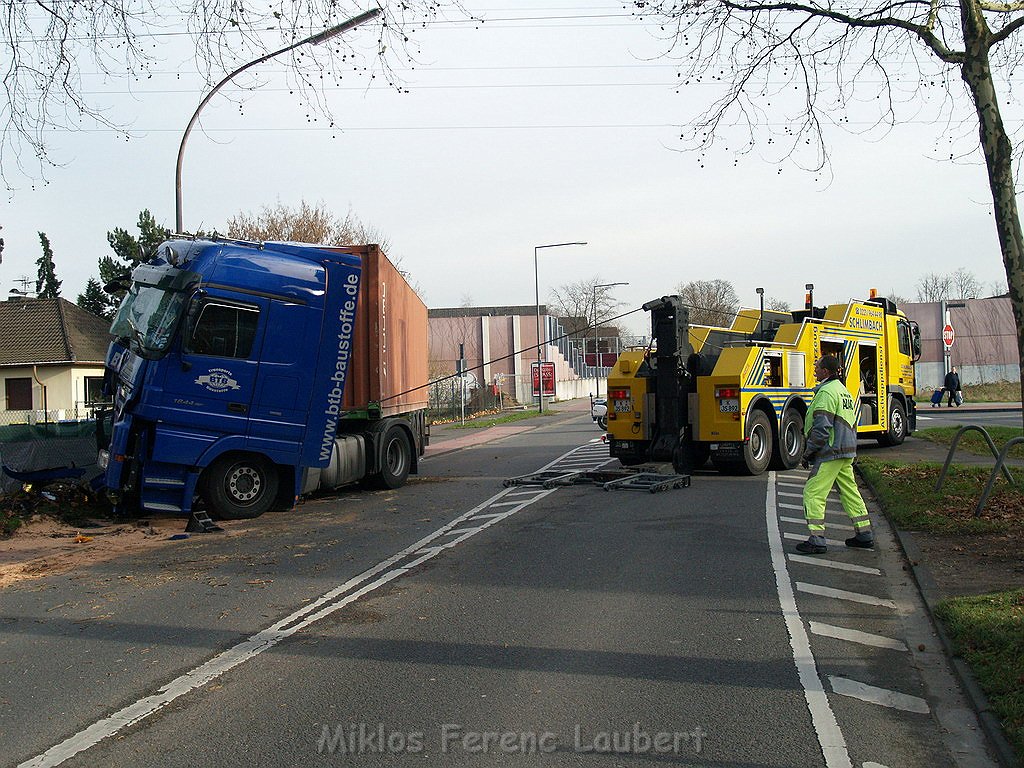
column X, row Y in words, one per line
column 904, row 339
column 223, row 330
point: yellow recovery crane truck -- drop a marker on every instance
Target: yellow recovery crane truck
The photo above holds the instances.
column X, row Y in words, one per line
column 739, row 395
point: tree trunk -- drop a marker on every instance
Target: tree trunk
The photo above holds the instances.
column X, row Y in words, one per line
column 995, row 144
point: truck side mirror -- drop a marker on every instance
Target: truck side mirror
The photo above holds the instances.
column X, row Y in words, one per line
column 915, row 340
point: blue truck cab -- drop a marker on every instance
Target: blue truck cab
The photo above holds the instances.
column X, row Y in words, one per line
column 227, row 373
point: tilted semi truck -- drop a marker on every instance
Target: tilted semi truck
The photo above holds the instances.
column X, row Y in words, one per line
column 247, row 374
column 740, row 395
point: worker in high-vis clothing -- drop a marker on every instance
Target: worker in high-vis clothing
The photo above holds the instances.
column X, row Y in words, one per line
column 831, row 430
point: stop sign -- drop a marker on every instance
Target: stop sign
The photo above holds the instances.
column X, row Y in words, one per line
column 948, row 335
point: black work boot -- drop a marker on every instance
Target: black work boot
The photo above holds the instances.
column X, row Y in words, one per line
column 861, row 541
column 815, row 545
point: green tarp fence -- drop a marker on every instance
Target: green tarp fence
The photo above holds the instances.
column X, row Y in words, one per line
column 34, row 447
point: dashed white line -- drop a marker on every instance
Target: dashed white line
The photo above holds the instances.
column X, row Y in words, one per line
column 880, row 696
column 830, row 737
column 842, row 594
column 856, row 636
column 824, row 563
column 330, row 602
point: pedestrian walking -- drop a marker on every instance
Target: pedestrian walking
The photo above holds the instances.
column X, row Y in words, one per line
column 831, row 430
column 952, row 385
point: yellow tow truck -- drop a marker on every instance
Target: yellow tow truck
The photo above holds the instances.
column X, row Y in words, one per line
column 739, row 395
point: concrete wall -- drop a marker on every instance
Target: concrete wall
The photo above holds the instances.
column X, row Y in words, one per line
column 985, row 347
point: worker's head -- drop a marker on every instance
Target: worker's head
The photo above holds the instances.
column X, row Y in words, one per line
column 827, row 367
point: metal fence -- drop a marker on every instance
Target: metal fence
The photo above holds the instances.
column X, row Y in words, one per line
column 35, row 448
column 453, row 399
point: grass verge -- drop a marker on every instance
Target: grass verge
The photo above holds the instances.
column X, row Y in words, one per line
column 992, row 392
column 479, row 422
column 972, row 441
column 988, row 633
column 907, row 491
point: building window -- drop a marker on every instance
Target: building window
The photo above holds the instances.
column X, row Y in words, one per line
column 224, row 331
column 93, row 389
column 19, row 394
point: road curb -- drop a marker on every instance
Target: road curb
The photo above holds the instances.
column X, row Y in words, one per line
column 929, row 591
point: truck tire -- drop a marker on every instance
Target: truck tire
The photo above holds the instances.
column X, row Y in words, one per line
column 239, row 487
column 690, row 456
column 395, row 459
column 897, row 424
column 790, row 446
column 602, row 422
column 757, row 448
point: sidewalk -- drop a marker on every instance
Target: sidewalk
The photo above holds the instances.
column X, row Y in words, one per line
column 446, row 438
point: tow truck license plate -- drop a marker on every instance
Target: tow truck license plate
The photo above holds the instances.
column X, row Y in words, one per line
column 623, row 406
column 729, row 405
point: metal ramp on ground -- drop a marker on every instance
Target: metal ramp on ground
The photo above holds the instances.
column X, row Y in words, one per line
column 607, row 479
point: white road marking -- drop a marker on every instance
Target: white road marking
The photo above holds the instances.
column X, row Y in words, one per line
column 856, row 636
column 876, row 765
column 828, row 512
column 881, row 696
column 328, row 603
column 802, row 521
column 842, row 594
column 830, row 737
column 818, row 560
column 803, row 537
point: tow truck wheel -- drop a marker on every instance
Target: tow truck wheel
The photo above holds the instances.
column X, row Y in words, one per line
column 239, row 487
column 757, row 448
column 791, row 441
column 396, row 460
column 897, row 424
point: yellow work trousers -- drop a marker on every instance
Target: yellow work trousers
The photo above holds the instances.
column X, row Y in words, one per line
column 823, row 476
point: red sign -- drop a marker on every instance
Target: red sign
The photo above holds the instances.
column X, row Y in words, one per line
column 948, row 335
column 545, row 371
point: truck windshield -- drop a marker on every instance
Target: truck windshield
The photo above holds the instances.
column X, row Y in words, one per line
column 148, row 316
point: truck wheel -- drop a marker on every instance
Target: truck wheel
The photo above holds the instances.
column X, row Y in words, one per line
column 396, row 460
column 239, row 487
column 897, row 424
column 757, row 448
column 790, row 447
column 690, row 456
column 602, row 422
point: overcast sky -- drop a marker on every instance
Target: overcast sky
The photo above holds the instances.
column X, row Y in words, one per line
column 543, row 125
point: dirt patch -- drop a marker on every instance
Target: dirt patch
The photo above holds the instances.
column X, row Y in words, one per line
column 973, row 565
column 46, row 547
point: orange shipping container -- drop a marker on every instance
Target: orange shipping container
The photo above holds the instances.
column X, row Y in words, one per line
column 389, row 364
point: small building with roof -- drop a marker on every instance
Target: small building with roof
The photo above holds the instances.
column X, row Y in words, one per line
column 51, row 360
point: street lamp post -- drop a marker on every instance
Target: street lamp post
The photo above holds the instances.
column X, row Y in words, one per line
column 540, row 341
column 597, row 352
column 316, row 39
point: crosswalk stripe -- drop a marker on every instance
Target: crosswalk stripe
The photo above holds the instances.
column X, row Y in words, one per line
column 856, row 636
column 802, row 521
column 834, row 564
column 803, row 537
column 842, row 594
column 881, row 696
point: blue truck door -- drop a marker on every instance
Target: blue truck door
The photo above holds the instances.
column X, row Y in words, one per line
column 211, row 390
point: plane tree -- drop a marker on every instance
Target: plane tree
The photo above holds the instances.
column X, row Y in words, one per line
column 812, row 62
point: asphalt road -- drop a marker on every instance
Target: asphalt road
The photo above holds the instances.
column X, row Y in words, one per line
column 458, row 621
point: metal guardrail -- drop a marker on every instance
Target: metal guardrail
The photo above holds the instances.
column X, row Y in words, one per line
column 999, row 456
